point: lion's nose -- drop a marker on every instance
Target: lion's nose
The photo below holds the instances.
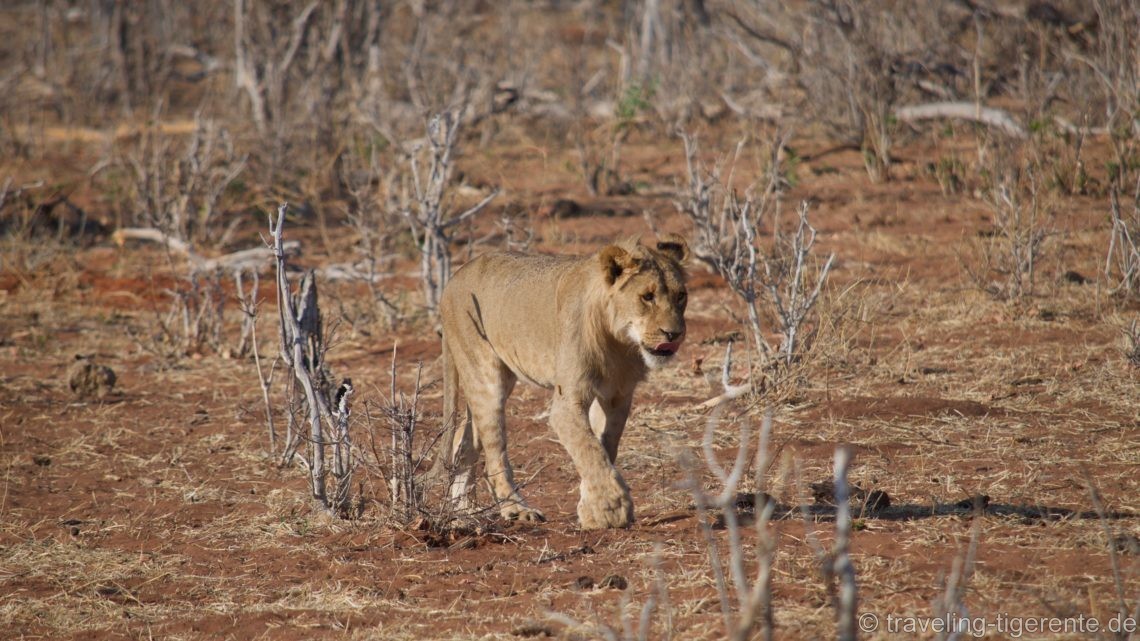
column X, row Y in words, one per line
column 672, row 336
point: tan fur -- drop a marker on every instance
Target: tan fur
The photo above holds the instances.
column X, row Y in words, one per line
column 581, row 326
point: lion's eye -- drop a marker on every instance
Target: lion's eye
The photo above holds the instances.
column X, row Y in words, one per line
column 647, row 297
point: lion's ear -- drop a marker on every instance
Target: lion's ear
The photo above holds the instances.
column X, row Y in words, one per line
column 614, row 261
column 674, row 247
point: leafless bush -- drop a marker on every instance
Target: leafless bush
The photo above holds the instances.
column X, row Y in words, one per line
column 1122, row 265
column 374, row 215
column 849, row 69
column 325, row 407
column 846, row 53
column 598, row 141
column 178, row 186
column 781, row 282
column 743, row 576
column 286, row 61
column 427, row 208
column 1116, row 67
column 396, row 442
column 195, row 319
column 788, row 281
column 747, row 606
column 97, row 60
column 403, row 414
column 1018, row 239
column 177, row 189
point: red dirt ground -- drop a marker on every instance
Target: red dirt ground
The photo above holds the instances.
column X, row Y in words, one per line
column 152, row 513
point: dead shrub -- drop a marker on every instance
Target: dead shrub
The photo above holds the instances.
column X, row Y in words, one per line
column 311, row 397
column 856, row 61
column 780, row 279
column 426, row 201
column 1122, row 264
column 1010, row 253
column 177, row 192
column 178, row 182
column 743, row 571
column 1115, row 81
column 373, row 213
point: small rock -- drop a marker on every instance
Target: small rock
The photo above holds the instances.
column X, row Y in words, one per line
column 877, row 501
column 41, row 460
column 823, row 492
column 584, row 583
column 615, row 581
column 1076, row 278
column 565, row 208
column 1127, row 543
column 88, row 379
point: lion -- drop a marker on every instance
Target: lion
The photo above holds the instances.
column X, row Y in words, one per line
column 590, row 328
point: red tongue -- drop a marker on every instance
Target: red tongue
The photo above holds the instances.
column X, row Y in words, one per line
column 667, row 347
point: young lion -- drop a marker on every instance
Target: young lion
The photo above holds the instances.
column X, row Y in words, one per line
column 590, row 328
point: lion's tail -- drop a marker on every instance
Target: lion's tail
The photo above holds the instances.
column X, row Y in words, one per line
column 445, row 447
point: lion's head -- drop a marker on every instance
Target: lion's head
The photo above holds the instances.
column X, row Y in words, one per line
column 646, row 295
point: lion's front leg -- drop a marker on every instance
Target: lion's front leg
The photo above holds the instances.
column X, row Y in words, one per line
column 604, row 499
column 608, row 417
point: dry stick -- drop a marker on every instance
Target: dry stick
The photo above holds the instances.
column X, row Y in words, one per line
column 393, row 483
column 244, row 75
column 410, row 426
column 842, row 566
column 249, row 306
column 753, row 602
column 701, row 501
column 760, row 599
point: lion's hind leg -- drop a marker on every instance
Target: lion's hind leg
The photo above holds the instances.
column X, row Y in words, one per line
column 487, row 400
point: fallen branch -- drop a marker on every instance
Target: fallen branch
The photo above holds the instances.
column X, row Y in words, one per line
column 730, row 391
column 989, row 116
column 254, row 258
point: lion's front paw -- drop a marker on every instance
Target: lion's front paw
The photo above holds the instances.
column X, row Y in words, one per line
column 517, row 510
column 605, row 506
